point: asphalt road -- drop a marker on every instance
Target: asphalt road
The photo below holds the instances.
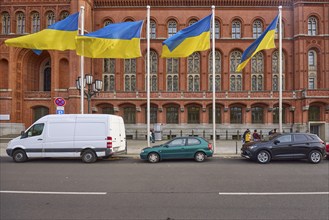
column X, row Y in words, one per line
column 132, row 189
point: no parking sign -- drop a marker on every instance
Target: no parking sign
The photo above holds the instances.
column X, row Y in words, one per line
column 59, row 102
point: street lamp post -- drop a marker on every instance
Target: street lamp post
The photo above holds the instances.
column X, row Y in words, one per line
column 93, row 87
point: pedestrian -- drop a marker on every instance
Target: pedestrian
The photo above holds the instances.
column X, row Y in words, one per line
column 248, row 136
column 256, row 136
column 244, row 135
column 151, row 136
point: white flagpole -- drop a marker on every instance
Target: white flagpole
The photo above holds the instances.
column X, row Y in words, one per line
column 82, row 62
column 280, row 69
column 148, row 76
column 213, row 81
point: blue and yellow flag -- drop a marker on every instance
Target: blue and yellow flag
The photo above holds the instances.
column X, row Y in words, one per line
column 59, row 36
column 119, row 40
column 263, row 42
column 189, row 40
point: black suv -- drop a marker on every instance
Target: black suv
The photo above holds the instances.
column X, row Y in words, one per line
column 286, row 146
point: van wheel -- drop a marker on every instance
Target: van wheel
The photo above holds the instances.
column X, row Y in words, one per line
column 19, row 156
column 89, row 156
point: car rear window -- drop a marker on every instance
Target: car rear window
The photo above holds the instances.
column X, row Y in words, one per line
column 193, row 141
column 300, row 137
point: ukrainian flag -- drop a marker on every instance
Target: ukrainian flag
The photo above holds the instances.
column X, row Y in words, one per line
column 263, row 42
column 189, row 40
column 59, row 36
column 119, row 40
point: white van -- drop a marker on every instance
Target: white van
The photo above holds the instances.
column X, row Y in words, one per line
column 87, row 136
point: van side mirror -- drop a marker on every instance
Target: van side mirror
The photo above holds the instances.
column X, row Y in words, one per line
column 23, row 134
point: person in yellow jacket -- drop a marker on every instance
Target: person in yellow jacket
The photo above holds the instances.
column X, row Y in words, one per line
column 246, row 136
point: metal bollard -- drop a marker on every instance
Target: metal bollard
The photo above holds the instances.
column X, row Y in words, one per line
column 236, row 147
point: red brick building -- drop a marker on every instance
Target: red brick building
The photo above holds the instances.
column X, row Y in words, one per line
column 181, row 97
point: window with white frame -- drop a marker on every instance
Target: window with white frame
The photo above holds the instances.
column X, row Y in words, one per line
column 130, row 75
column 312, row 69
column 172, row 74
column 35, row 22
column 235, row 77
column 257, row 72
column 20, row 19
column 275, row 71
column 236, row 29
column 218, row 70
column 109, row 74
column 257, row 29
column 172, row 28
column 50, row 18
column 312, row 26
column 153, row 71
column 193, row 72
column 5, row 23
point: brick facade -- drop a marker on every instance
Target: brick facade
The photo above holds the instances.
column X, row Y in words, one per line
column 22, row 89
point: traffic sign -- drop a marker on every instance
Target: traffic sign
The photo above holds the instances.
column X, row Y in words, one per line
column 59, row 101
column 59, row 112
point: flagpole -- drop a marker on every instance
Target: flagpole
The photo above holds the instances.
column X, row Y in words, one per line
column 82, row 62
column 148, row 76
column 213, row 81
column 280, row 69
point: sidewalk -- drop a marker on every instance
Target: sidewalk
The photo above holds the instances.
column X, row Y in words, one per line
column 224, row 148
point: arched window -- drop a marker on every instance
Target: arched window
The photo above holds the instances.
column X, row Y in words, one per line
column 314, row 113
column 257, row 72
column 50, row 18
column 172, row 74
column 276, row 115
column 257, row 29
column 257, row 115
column 108, row 109
column 312, row 26
column 152, row 29
column 172, row 28
column 130, row 75
column 193, row 72
column 153, row 71
column 172, row 115
column 236, row 115
column 35, row 22
column 312, row 69
column 235, row 77
column 192, row 21
column 109, row 75
column 39, row 112
column 236, row 29
column 20, row 18
column 5, row 23
column 217, row 115
column 129, row 114
column 47, row 77
column 107, row 22
column 218, row 70
column 153, row 115
column 217, row 30
column 64, row 14
column 193, row 114
column 275, row 71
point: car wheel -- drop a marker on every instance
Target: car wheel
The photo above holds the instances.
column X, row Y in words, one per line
column 89, row 156
column 314, row 156
column 153, row 157
column 199, row 156
column 19, row 156
column 263, row 156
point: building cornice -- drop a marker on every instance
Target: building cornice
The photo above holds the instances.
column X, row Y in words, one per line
column 194, row 3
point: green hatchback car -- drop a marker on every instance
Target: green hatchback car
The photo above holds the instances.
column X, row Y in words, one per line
column 179, row 148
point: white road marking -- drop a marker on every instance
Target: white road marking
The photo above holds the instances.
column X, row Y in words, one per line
column 55, row 193
column 270, row 193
